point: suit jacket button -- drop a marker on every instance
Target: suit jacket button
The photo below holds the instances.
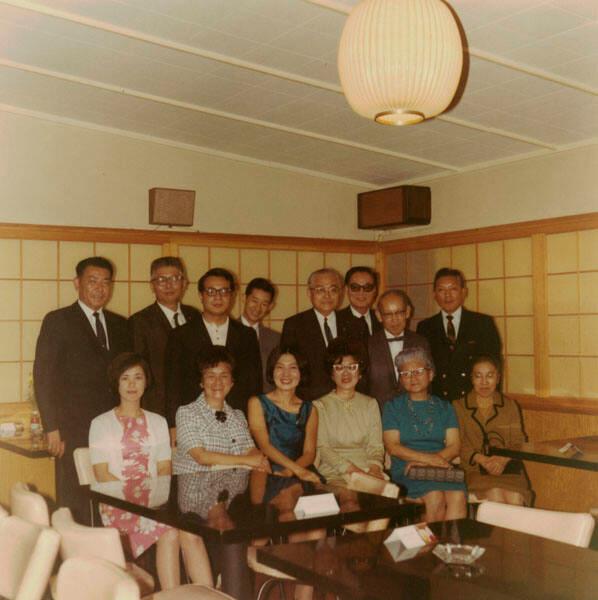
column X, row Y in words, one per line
column 463, row 374
column 444, row 376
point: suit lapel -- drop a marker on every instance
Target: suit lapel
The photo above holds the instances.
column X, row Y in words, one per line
column 233, row 334
column 160, row 318
column 464, row 325
column 314, row 332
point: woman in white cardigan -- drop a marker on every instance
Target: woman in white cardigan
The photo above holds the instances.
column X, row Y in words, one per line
column 131, row 445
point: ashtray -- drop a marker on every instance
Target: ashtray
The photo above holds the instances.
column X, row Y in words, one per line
column 457, row 554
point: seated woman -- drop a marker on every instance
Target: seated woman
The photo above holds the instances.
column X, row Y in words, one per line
column 420, row 429
column 284, row 426
column 131, row 444
column 349, row 426
column 209, row 431
column 487, row 418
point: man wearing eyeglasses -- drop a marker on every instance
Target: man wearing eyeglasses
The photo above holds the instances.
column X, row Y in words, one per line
column 362, row 288
column 151, row 326
column 186, row 344
column 312, row 330
column 394, row 310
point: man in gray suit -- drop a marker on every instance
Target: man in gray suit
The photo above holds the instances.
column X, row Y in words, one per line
column 394, row 310
column 259, row 300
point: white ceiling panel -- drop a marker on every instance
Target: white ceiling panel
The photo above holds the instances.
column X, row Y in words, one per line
column 267, row 65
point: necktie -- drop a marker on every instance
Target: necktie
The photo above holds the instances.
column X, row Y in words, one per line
column 450, row 329
column 176, row 320
column 100, row 331
column 327, row 331
column 400, row 338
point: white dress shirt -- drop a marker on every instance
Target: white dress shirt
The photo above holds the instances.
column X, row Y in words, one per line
column 331, row 323
column 456, row 320
column 92, row 320
column 395, row 348
column 367, row 317
column 169, row 314
column 217, row 332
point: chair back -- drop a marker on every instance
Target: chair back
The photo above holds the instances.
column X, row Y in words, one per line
column 28, row 505
column 570, row 528
column 102, row 580
column 27, row 555
column 84, row 467
column 90, row 542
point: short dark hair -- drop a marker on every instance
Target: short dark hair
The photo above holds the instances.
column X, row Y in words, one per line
column 301, row 363
column 94, row 261
column 375, row 275
column 167, row 261
column 212, row 357
column 341, row 347
column 260, row 283
column 489, row 358
column 123, row 362
column 446, row 272
column 217, row 272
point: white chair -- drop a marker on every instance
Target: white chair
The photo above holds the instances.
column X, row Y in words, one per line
column 273, row 577
column 102, row 579
column 104, row 543
column 28, row 505
column 27, row 555
column 96, row 542
column 83, row 465
column 570, row 528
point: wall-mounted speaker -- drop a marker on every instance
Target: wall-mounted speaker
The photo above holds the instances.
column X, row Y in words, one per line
column 394, row 207
column 171, row 207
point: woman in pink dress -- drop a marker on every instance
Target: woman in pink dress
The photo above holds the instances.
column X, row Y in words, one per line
column 133, row 445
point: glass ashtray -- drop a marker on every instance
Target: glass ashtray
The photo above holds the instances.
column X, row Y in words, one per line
column 457, row 554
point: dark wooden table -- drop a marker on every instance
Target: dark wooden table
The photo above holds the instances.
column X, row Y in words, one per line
column 584, row 454
column 231, row 507
column 31, row 448
column 515, row 566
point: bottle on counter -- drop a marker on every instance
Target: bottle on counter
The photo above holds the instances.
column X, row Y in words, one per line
column 35, row 425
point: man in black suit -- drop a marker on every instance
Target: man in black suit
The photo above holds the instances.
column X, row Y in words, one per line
column 361, row 284
column 215, row 328
column 312, row 330
column 394, row 311
column 456, row 335
column 74, row 348
column 259, row 300
column 150, row 327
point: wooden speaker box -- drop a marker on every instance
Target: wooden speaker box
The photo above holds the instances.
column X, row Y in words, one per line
column 394, row 207
column 171, row 207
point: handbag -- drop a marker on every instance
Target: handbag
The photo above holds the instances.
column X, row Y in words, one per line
column 450, row 475
column 513, row 467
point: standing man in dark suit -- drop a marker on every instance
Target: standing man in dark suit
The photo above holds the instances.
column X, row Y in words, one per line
column 361, row 284
column 456, row 335
column 74, row 348
column 150, row 327
column 259, row 300
column 394, row 311
column 215, row 328
column 312, row 330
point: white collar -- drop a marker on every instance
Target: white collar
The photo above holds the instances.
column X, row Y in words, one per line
column 245, row 322
column 169, row 312
column 89, row 312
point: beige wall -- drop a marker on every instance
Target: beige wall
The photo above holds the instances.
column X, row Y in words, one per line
column 564, row 183
column 53, row 173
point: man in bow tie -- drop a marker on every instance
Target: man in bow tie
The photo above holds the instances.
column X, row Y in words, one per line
column 394, row 311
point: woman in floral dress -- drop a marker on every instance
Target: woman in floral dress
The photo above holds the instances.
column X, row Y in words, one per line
column 132, row 445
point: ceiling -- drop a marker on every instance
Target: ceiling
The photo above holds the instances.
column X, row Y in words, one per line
column 257, row 80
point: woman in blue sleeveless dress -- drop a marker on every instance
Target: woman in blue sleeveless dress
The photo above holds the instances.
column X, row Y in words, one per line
column 421, row 429
column 284, row 427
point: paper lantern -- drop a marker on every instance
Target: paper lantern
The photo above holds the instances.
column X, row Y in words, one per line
column 400, row 61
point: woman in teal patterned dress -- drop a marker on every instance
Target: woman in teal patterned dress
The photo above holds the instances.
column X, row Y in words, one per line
column 422, row 430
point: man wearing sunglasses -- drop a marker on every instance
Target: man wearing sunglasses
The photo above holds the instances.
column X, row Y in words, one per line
column 150, row 326
column 186, row 344
column 362, row 289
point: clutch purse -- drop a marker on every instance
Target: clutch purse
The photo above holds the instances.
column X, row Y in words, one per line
column 513, row 467
column 452, row 475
